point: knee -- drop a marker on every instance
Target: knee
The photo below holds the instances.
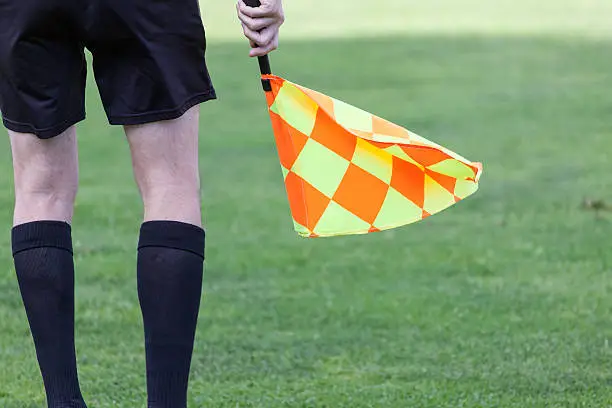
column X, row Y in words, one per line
column 168, row 183
column 169, row 192
column 40, row 197
column 52, row 196
column 47, row 184
column 177, row 200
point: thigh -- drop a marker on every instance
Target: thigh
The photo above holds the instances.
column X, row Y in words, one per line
column 42, row 67
column 149, row 59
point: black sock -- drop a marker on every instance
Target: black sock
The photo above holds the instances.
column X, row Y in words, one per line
column 42, row 252
column 170, row 270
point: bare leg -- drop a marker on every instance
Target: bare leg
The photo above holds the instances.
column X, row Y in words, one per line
column 46, row 176
column 46, row 179
column 165, row 160
column 170, row 251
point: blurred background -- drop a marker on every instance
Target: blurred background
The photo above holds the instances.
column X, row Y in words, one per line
column 319, row 19
column 501, row 301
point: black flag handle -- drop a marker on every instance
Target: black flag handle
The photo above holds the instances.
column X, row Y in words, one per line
column 264, row 62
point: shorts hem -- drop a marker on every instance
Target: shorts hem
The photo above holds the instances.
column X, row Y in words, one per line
column 157, row 116
column 46, row 133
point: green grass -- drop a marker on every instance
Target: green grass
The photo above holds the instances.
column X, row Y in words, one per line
column 501, row 301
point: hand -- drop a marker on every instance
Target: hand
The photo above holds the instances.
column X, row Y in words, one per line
column 261, row 25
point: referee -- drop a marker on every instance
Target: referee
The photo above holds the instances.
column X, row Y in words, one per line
column 150, row 69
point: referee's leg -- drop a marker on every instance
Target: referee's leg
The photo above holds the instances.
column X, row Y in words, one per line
column 46, row 178
column 166, row 167
column 170, row 251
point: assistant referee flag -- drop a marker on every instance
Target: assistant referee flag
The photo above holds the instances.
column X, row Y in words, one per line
column 347, row 171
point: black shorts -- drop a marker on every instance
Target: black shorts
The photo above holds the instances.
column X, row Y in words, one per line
column 148, row 61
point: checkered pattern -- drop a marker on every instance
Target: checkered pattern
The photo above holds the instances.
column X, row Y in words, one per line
column 347, row 171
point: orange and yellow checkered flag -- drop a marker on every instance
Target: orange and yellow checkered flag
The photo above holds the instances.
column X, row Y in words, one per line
column 347, row 171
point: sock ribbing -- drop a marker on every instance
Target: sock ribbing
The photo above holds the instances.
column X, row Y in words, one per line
column 174, row 235
column 45, row 272
column 41, row 234
column 170, row 274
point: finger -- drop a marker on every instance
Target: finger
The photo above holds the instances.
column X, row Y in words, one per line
column 261, row 51
column 256, row 24
column 261, row 38
column 255, row 37
column 257, row 12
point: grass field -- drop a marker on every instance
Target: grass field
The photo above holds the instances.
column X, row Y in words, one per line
column 502, row 301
